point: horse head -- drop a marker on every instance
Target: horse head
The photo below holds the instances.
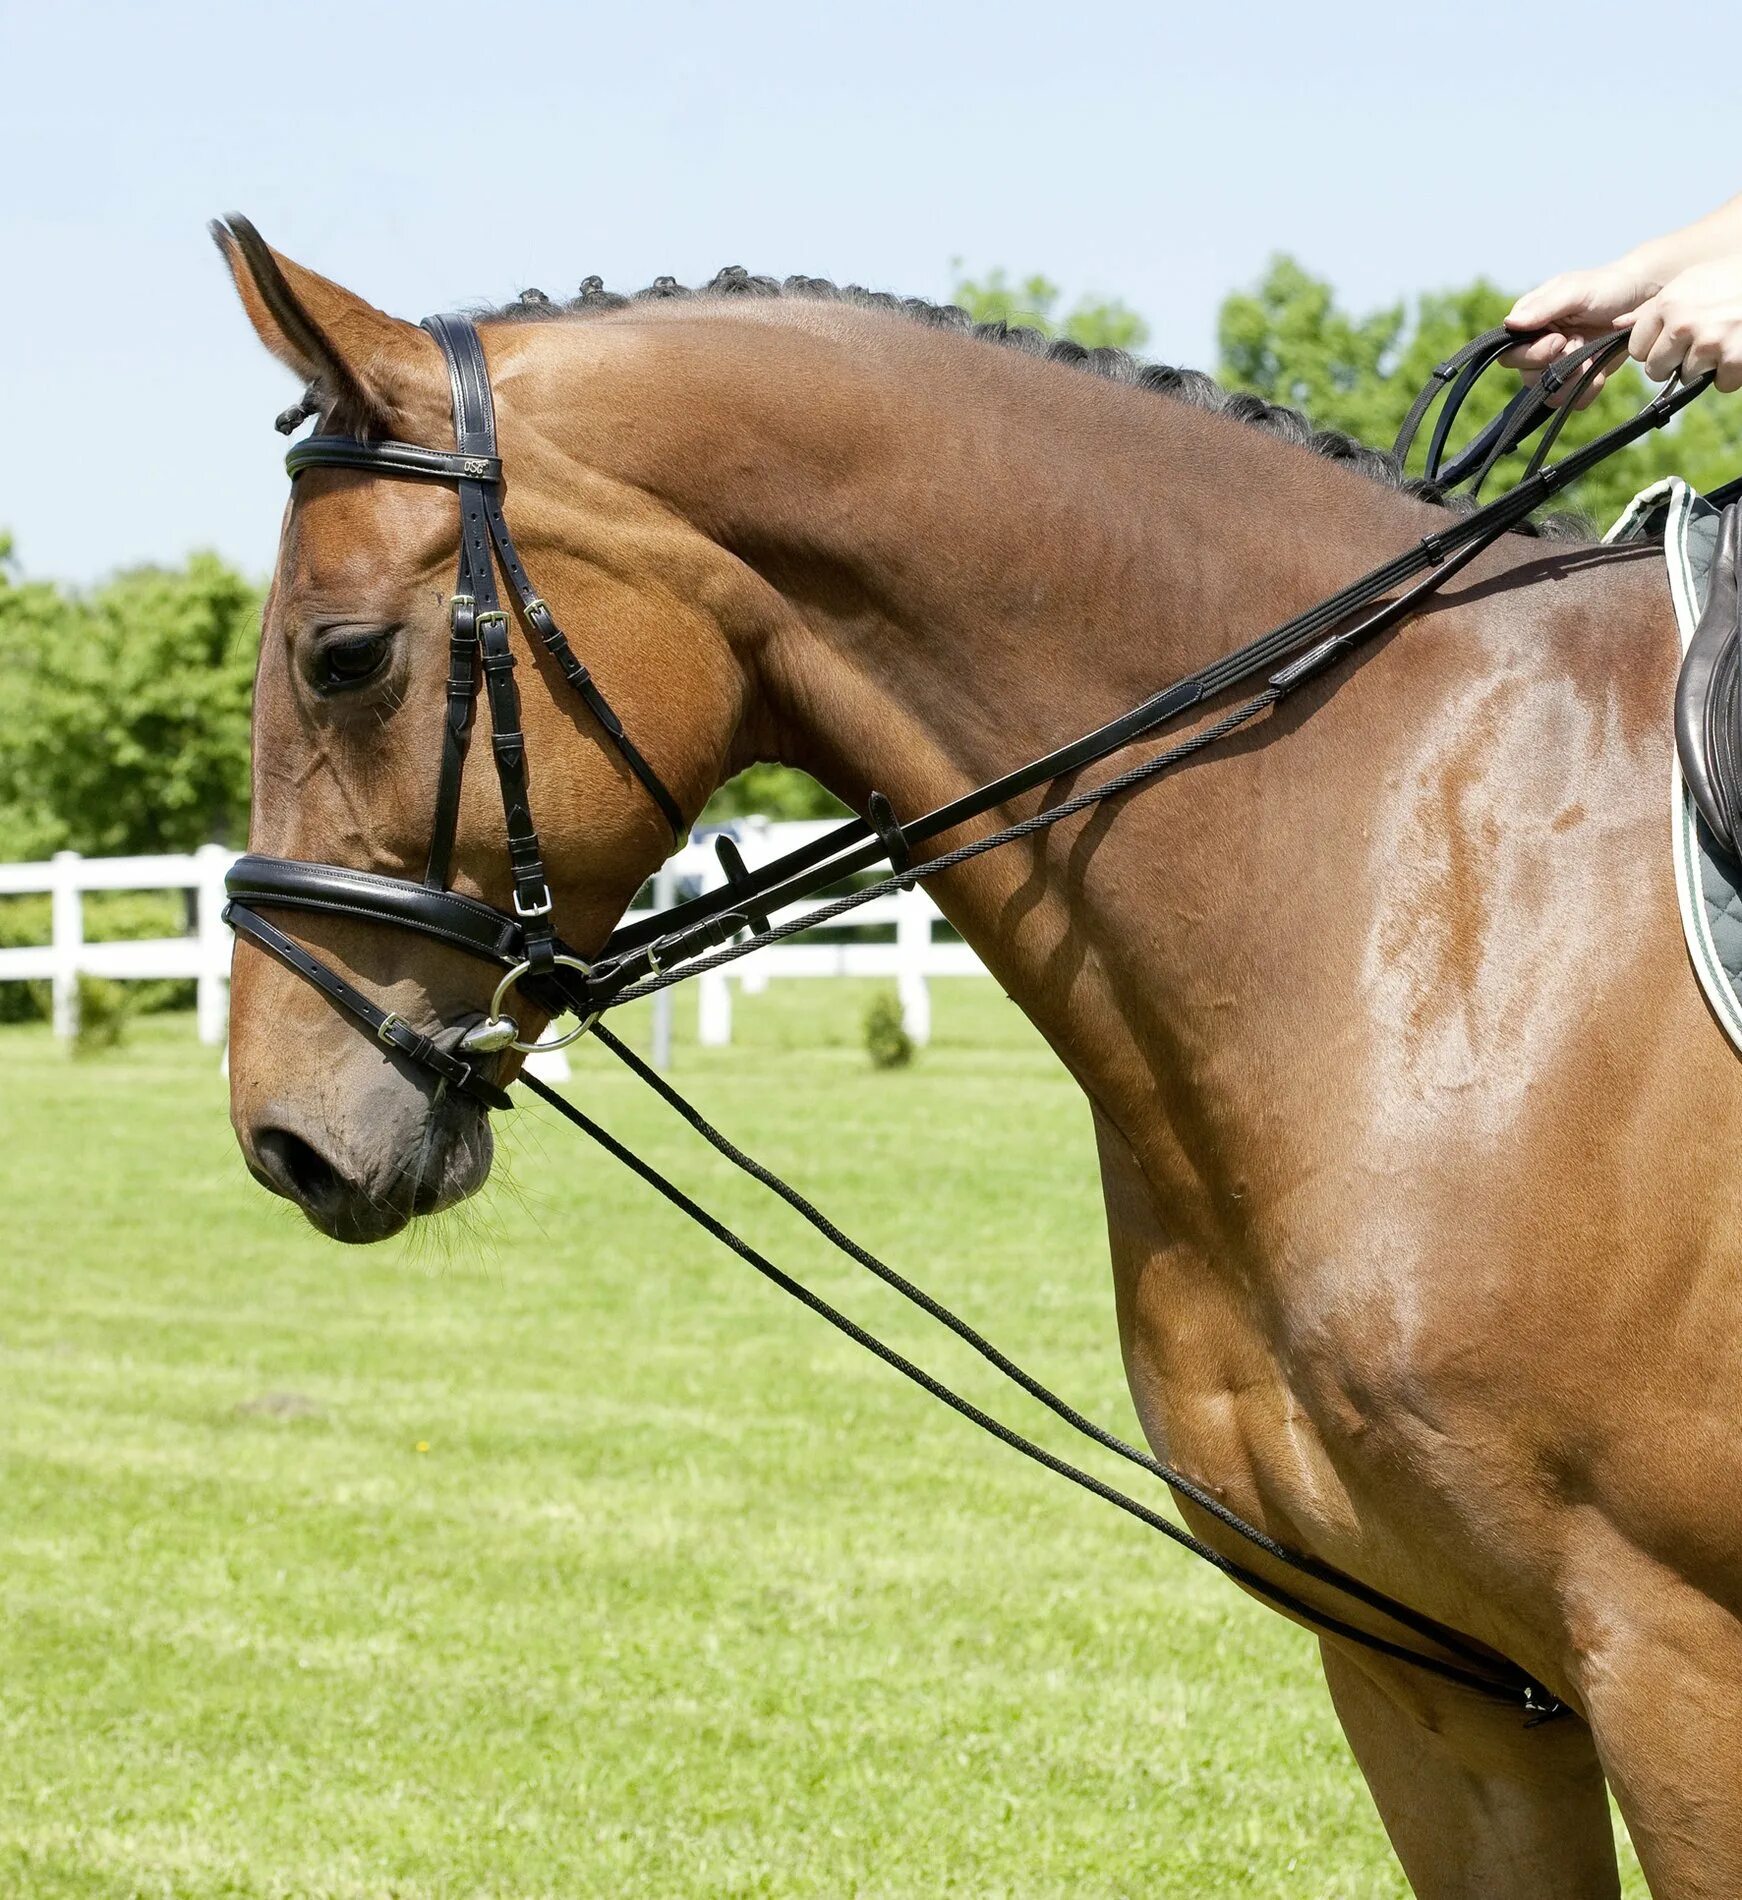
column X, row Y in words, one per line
column 352, row 698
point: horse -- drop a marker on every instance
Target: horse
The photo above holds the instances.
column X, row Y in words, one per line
column 1413, row 1129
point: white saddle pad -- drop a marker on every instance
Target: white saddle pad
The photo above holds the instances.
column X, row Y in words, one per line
column 1686, row 524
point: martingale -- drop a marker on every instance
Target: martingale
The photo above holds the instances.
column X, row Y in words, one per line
column 706, row 931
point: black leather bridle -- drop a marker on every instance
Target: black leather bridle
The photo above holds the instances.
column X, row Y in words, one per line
column 524, row 943
column 706, row 931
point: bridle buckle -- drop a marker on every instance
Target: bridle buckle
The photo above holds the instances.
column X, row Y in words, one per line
column 538, row 906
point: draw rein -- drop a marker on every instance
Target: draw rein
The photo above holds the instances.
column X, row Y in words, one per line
column 709, row 930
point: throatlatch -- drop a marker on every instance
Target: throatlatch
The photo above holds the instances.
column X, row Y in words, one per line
column 709, row 930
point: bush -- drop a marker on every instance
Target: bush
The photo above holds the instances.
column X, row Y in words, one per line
column 117, row 916
column 104, row 1008
column 886, row 1039
column 774, row 791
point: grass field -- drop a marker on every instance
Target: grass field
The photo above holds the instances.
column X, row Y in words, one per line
column 549, row 1552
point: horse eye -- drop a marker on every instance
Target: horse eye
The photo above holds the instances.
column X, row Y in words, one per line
column 352, row 661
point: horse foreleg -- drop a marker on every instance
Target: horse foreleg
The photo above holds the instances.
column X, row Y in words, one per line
column 1475, row 1803
column 1662, row 1680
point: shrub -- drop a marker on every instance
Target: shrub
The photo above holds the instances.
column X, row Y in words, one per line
column 103, row 1011
column 886, row 1039
column 115, row 916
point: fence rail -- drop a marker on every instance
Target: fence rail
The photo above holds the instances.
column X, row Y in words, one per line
column 894, row 937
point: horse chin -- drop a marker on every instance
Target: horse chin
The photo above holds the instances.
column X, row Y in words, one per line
column 368, row 1176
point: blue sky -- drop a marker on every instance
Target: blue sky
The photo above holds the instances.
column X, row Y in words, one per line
column 1158, row 152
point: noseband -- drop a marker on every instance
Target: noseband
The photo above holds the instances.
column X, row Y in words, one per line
column 527, row 954
column 523, row 944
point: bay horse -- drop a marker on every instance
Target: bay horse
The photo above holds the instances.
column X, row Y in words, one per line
column 1416, row 1137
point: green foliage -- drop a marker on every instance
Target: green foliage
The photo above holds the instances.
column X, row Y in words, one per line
column 110, row 917
column 886, row 1039
column 124, row 712
column 1288, row 341
column 775, row 791
column 104, row 1008
column 1094, row 322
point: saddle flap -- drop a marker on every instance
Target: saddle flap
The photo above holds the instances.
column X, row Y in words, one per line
column 1708, row 695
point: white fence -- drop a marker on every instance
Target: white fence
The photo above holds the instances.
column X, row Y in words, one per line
column 911, row 956
column 203, row 954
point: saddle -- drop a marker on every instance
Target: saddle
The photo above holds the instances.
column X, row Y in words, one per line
column 1708, row 695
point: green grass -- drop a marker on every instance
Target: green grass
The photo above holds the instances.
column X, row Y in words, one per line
column 552, row 1553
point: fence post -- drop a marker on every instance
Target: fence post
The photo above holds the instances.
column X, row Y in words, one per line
column 212, row 986
column 753, row 971
column 664, row 895
column 550, row 1065
column 68, row 916
column 713, row 998
column 912, row 953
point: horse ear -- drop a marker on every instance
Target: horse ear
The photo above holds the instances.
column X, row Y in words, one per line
column 371, row 367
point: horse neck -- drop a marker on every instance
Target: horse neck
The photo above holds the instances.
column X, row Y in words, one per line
column 976, row 557
column 977, row 554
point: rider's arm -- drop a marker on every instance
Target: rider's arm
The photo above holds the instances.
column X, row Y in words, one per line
column 1679, row 295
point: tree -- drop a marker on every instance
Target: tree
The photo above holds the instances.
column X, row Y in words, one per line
column 1288, row 341
column 124, row 712
column 1094, row 322
column 774, row 791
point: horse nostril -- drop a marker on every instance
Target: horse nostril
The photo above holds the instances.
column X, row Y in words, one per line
column 292, row 1168
column 341, row 1205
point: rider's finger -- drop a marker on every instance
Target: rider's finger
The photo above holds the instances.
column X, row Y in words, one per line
column 1703, row 354
column 1559, row 398
column 1646, row 329
column 1538, row 353
column 1545, row 304
column 1664, row 357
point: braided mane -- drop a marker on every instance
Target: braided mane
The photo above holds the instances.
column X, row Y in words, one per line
column 1119, row 366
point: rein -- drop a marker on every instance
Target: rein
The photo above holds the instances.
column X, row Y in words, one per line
column 710, row 930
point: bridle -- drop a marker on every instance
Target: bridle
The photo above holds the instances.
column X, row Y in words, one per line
column 524, row 941
column 722, row 925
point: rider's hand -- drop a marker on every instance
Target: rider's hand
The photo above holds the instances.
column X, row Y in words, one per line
column 1693, row 324
column 1574, row 309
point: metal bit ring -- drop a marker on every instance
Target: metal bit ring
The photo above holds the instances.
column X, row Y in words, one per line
column 488, row 1036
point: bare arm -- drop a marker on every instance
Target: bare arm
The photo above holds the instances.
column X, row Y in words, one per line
column 1680, row 296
